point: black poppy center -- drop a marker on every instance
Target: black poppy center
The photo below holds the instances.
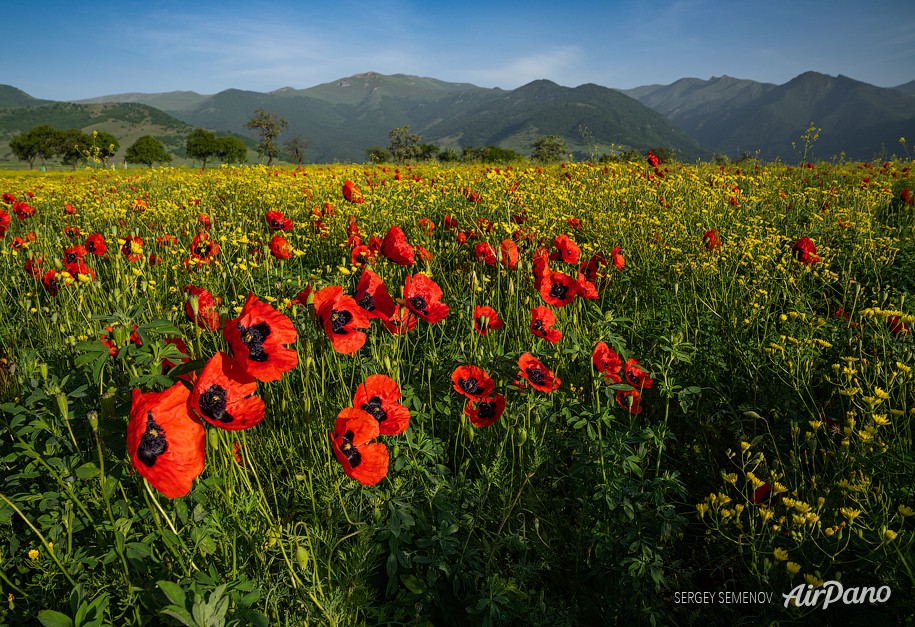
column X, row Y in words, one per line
column 90, row 246
column 127, row 249
column 483, row 323
column 70, row 257
column 361, row 258
column 352, row 454
column 339, row 318
column 536, row 375
column 152, row 442
column 213, row 404
column 419, row 304
column 559, row 290
column 486, row 410
column 373, row 406
column 254, row 337
column 634, row 377
column 275, row 224
column 203, row 250
column 367, row 302
column 470, row 385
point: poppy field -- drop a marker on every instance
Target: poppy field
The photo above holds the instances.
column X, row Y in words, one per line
column 451, row 395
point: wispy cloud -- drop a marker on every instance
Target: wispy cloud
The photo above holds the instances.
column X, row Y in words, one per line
column 558, row 64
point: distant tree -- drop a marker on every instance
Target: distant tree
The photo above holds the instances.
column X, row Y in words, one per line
column 427, row 152
column 202, row 144
column 270, row 128
column 469, row 154
column 72, row 146
column 296, row 147
column 448, row 154
column 39, row 143
column 548, row 149
column 148, row 150
column 377, row 154
column 102, row 146
column 404, row 144
column 231, row 150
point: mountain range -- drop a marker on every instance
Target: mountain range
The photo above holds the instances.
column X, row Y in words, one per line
column 694, row 118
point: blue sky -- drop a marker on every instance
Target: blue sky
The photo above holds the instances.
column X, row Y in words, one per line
column 65, row 50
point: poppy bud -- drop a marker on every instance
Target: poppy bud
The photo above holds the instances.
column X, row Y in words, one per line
column 522, row 436
column 108, row 403
column 301, row 557
column 63, row 406
column 43, row 369
column 213, row 439
column 92, row 416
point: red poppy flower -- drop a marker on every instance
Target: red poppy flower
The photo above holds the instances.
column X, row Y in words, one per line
column 23, row 209
column 352, row 193
column 711, row 239
column 539, row 376
column 372, row 295
column 276, row 221
column 761, row 494
column 461, row 238
column 585, row 288
column 379, row 396
column 402, row 322
column 897, row 326
column 375, row 244
column 541, row 268
column 341, row 317
column 424, row 254
column 473, row 382
column 396, row 248
column 72, row 231
column 166, row 240
column 485, row 411
column 200, row 308
column 805, row 251
column 426, row 225
column 280, row 248
column 96, row 245
column 166, row 444
column 424, row 298
column 257, row 338
column 132, row 248
column 907, row 196
column 485, row 318
column 4, row 223
column 364, row 462
column 9, row 198
column 203, row 248
column 567, row 249
column 484, row 251
column 509, row 254
column 81, row 271
column 636, row 376
column 542, row 321
column 222, row 395
column 451, row 223
column 302, row 297
column 630, row 400
column 72, row 254
column 204, row 221
column 575, row 223
column 558, row 289
column 362, row 255
column 653, row 160
column 607, row 362
column 54, row 280
column 69, row 209
column 33, row 266
column 617, row 258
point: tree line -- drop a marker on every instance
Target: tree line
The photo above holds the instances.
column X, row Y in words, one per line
column 73, row 147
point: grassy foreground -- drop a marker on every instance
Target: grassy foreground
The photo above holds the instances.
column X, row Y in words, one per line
column 728, row 409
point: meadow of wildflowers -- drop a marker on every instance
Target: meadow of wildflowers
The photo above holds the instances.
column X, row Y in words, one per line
column 441, row 395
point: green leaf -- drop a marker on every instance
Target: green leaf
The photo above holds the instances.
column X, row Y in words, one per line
column 173, row 591
column 413, row 583
column 50, row 618
column 87, row 471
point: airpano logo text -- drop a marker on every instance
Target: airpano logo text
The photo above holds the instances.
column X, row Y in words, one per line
column 834, row 592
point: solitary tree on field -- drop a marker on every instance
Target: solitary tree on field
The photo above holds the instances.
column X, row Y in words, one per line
column 38, row 143
column 404, row 144
column 270, row 127
column 72, row 146
column 548, row 149
column 102, row 146
column 148, row 150
column 202, row 144
column 296, row 147
column 231, row 150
